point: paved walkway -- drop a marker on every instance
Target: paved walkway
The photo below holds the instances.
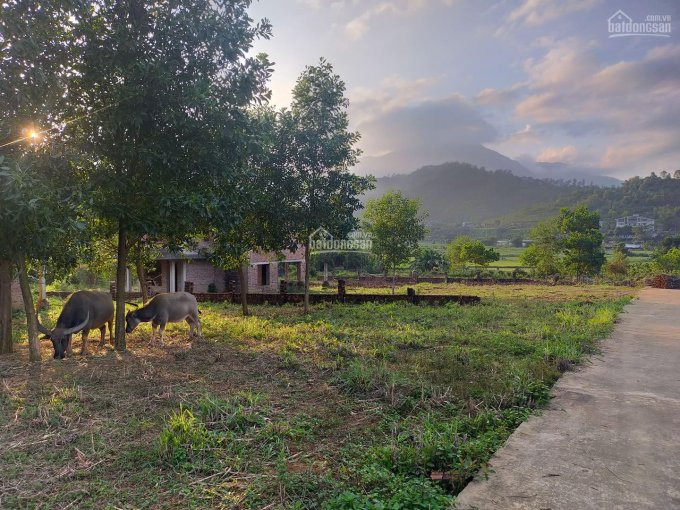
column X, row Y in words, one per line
column 610, row 438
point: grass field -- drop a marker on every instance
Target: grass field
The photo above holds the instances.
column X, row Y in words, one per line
column 377, row 406
column 510, row 256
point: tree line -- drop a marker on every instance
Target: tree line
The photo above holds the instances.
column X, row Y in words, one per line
column 147, row 123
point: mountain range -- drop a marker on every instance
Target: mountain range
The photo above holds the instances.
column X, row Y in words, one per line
column 402, row 162
column 456, row 194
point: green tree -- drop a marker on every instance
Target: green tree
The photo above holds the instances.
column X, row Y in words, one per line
column 396, row 226
column 428, row 260
column 570, row 242
column 669, row 242
column 464, row 250
column 264, row 185
column 318, row 150
column 454, row 252
column 37, row 207
column 39, row 222
column 617, row 267
column 582, row 241
column 668, row 261
column 476, row 252
column 158, row 89
column 543, row 254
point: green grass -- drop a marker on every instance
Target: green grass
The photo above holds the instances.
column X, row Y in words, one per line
column 374, row 406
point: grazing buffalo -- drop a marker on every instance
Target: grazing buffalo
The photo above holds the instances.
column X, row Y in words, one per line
column 164, row 308
column 84, row 310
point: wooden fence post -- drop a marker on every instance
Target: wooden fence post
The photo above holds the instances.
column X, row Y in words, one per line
column 411, row 293
column 341, row 290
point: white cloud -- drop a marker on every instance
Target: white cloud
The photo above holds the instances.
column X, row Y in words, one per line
column 632, row 105
column 393, row 92
column 499, row 97
column 538, row 12
column 359, row 26
column 565, row 154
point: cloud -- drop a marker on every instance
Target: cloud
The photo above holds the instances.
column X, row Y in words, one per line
column 565, row 154
column 526, row 135
column 539, row 12
column 450, row 120
column 393, row 92
column 359, row 26
column 632, row 105
column 658, row 150
column 498, row 97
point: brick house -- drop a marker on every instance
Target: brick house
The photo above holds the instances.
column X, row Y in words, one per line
column 173, row 271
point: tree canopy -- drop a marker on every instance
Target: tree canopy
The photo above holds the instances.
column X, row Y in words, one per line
column 464, row 250
column 396, row 225
column 318, row 150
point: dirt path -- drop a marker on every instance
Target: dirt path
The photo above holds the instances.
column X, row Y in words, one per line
column 611, row 435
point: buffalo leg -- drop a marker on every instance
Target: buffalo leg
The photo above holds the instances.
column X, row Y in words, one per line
column 190, row 321
column 154, row 325
column 69, row 348
column 197, row 323
column 162, row 329
column 102, row 330
column 83, row 351
column 111, row 331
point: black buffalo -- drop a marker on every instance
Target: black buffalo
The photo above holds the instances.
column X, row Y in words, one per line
column 84, row 310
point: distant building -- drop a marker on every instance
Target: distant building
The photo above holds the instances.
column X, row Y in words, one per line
column 503, row 243
column 174, row 270
column 635, row 221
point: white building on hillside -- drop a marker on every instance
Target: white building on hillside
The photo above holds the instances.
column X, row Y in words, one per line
column 635, row 221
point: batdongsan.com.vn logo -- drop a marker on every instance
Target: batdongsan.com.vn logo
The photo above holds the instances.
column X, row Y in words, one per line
column 620, row 24
column 321, row 240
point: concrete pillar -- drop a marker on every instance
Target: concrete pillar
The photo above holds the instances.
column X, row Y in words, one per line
column 285, row 271
column 182, row 276
column 128, row 280
column 172, row 287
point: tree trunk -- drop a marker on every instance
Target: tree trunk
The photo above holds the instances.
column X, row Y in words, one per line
column 6, row 346
column 394, row 278
column 243, row 286
column 31, row 317
column 42, row 293
column 120, row 289
column 141, row 276
column 306, row 300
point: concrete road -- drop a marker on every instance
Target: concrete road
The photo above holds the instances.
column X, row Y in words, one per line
column 610, row 438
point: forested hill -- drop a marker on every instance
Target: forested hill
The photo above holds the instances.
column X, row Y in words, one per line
column 459, row 192
column 454, row 193
column 658, row 197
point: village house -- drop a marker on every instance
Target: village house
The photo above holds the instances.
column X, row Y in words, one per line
column 192, row 271
column 635, row 221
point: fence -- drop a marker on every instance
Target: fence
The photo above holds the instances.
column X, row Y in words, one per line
column 341, row 296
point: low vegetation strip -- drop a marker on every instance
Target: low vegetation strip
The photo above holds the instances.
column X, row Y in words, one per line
column 379, row 405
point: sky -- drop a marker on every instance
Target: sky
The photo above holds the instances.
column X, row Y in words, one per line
column 536, row 80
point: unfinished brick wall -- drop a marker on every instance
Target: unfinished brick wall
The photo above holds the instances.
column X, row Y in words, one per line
column 202, row 274
column 256, row 260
